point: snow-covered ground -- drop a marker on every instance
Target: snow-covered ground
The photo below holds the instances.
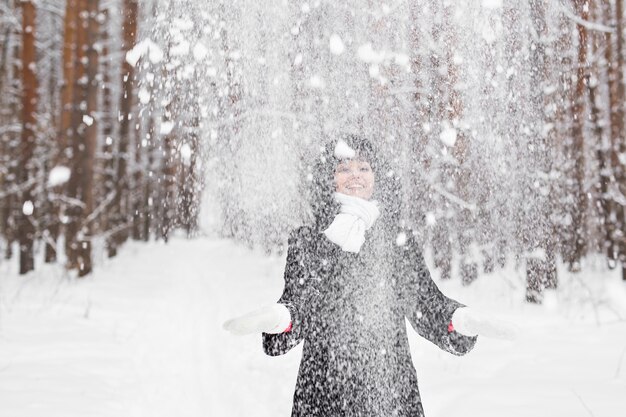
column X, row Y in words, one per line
column 142, row 337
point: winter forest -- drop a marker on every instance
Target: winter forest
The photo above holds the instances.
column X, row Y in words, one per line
column 157, row 153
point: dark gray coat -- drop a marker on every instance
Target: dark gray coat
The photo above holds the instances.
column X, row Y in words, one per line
column 350, row 309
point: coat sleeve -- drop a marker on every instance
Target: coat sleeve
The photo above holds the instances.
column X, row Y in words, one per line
column 429, row 311
column 293, row 298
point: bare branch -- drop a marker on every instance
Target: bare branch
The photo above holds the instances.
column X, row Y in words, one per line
column 587, row 24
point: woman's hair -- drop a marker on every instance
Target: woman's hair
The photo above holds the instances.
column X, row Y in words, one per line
column 386, row 184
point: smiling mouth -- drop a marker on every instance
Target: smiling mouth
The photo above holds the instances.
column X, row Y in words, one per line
column 355, row 186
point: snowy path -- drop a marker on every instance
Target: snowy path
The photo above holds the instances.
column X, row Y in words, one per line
column 142, row 337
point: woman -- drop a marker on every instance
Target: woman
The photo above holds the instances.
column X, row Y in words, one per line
column 351, row 279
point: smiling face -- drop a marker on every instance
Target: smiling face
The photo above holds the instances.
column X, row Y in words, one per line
column 354, row 177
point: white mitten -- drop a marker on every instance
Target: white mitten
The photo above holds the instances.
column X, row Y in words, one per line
column 471, row 323
column 270, row 319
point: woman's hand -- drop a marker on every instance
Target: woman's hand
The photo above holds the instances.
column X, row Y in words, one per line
column 471, row 323
column 271, row 319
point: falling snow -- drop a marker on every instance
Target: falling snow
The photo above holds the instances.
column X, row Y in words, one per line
column 28, row 208
column 336, row 44
column 246, row 109
column 58, row 175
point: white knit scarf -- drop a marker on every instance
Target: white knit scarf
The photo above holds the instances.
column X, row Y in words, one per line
column 356, row 215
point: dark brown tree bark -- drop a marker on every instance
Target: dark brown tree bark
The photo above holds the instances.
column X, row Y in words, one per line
column 619, row 141
column 616, row 102
column 168, row 191
column 138, row 192
column 138, row 209
column 148, row 203
column 26, row 228
column 119, row 216
column 578, row 145
column 11, row 139
column 167, row 168
column 88, row 150
column 600, row 73
column 108, row 123
column 190, row 178
column 75, row 206
column 65, row 134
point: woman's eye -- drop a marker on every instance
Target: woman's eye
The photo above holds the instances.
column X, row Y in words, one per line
column 365, row 169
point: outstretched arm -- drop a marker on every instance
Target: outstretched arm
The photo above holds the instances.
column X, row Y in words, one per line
column 468, row 321
column 282, row 323
column 293, row 298
column 429, row 311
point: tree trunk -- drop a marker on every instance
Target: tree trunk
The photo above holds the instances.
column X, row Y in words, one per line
column 578, row 146
column 139, row 182
column 540, row 270
column 166, row 169
column 120, row 206
column 147, row 197
column 75, row 207
column 616, row 101
column 619, row 144
column 26, row 228
column 168, row 187
column 601, row 12
column 11, row 140
column 108, row 121
column 87, row 156
column 65, row 134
